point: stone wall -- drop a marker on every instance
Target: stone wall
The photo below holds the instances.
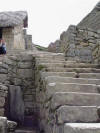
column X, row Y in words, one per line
column 14, row 37
column 79, row 43
column 28, row 40
column 55, row 47
column 17, row 89
column 21, row 86
column 19, row 42
column 8, row 36
column 3, row 89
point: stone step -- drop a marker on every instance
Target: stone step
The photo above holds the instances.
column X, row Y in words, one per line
column 74, row 99
column 77, row 70
column 51, row 88
column 63, row 74
column 82, row 128
column 48, row 60
column 89, row 75
column 53, row 79
column 69, row 65
column 25, row 130
column 77, row 114
column 53, row 57
column 71, row 74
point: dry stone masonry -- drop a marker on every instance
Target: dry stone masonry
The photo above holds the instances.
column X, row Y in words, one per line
column 66, row 93
column 77, row 43
column 44, row 92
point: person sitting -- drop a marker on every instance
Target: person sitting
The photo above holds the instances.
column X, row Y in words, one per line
column 2, row 47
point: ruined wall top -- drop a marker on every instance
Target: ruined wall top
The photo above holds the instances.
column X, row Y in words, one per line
column 92, row 20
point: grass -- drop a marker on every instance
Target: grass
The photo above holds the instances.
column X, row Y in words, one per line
column 41, row 48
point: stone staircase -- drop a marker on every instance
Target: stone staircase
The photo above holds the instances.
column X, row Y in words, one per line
column 68, row 95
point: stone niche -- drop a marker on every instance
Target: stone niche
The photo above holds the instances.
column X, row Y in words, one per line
column 78, row 43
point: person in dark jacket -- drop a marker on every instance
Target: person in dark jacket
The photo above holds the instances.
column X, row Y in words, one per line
column 2, row 47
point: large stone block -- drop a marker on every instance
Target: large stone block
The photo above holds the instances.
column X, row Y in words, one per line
column 51, row 88
column 2, row 111
column 25, row 57
column 77, row 114
column 25, row 65
column 25, row 73
column 16, row 103
column 2, row 101
column 52, row 79
column 3, row 77
column 75, row 99
column 82, row 128
column 3, row 125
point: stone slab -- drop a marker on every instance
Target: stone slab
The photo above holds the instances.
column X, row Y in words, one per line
column 51, row 88
column 75, row 99
column 53, row 79
column 77, row 114
column 82, row 128
column 90, row 75
column 69, row 65
column 78, row 70
column 63, row 74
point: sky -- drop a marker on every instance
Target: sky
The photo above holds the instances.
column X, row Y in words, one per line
column 47, row 19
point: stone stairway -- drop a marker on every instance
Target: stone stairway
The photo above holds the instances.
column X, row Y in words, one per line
column 68, row 95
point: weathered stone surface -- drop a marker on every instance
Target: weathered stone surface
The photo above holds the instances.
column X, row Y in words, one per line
column 63, row 74
column 28, row 97
column 3, row 77
column 52, row 79
column 25, row 65
column 69, row 65
column 75, row 98
column 3, row 71
column 78, row 70
column 82, row 128
column 90, row 75
column 25, row 57
column 2, row 111
column 51, row 88
column 77, row 113
column 16, row 103
column 11, row 126
column 3, row 124
column 25, row 73
column 2, row 101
